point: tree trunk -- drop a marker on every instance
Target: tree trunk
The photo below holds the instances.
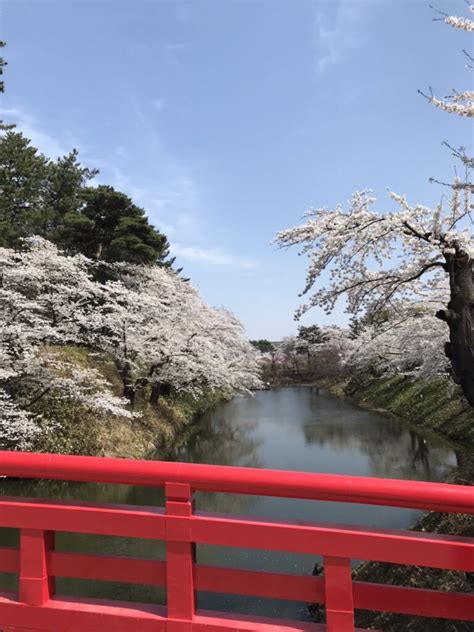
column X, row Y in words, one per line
column 157, row 389
column 128, row 384
column 297, row 368
column 129, row 392
column 155, row 392
column 273, row 367
column 460, row 319
column 165, row 388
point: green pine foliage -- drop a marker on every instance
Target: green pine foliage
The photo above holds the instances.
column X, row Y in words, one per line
column 265, row 346
column 311, row 334
column 109, row 227
column 52, row 199
column 23, row 175
column 3, row 63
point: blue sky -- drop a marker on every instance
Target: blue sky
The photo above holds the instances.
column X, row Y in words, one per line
column 226, row 120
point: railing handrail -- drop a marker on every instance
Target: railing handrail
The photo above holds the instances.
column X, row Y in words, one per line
column 441, row 497
column 37, row 562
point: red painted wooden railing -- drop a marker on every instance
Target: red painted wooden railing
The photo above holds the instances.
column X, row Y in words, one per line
column 37, row 607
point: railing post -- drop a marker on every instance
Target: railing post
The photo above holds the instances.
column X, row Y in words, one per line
column 180, row 559
column 338, row 594
column 36, row 585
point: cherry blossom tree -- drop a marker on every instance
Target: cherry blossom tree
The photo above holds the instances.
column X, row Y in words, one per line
column 161, row 333
column 44, row 302
column 377, row 259
column 151, row 323
column 290, row 355
column 408, row 341
column 460, row 103
column 332, row 354
column 323, row 352
column 18, row 427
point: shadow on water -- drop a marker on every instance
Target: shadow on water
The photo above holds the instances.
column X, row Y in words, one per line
column 290, row 428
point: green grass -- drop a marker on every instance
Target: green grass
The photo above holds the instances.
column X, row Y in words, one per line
column 72, row 429
column 435, row 405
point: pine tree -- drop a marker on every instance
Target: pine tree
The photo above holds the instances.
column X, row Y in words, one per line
column 23, row 176
column 110, row 227
column 3, row 63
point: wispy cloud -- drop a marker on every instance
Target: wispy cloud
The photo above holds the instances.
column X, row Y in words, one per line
column 172, row 203
column 338, row 31
column 120, row 152
column 164, row 185
column 212, row 256
column 51, row 146
column 158, row 104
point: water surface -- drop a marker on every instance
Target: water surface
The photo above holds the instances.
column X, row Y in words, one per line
column 297, row 428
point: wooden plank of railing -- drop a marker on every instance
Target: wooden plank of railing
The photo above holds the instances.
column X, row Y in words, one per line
column 398, row 547
column 91, row 615
column 367, row 595
column 260, row 584
column 9, row 560
column 107, row 568
column 240, row 480
column 81, row 615
column 36, row 583
column 338, row 594
column 181, row 529
column 79, row 517
column 414, row 601
column 180, row 557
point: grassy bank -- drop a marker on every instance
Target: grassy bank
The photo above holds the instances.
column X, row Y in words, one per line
column 435, row 405
column 438, row 407
column 417, row 577
column 414, row 577
column 71, row 429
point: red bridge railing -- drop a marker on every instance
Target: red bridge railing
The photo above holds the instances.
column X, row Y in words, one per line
column 37, row 607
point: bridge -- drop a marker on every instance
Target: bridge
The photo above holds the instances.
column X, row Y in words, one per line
column 36, row 606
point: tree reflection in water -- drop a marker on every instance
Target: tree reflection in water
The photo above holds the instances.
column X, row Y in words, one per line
column 221, row 437
column 393, row 449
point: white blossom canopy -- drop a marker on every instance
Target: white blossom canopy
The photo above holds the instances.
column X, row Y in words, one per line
column 375, row 258
column 152, row 324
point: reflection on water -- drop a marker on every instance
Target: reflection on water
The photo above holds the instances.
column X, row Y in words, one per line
column 290, row 428
column 392, row 449
column 224, row 437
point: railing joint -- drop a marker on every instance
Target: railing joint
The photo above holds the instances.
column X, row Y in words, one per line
column 36, row 585
column 180, row 557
